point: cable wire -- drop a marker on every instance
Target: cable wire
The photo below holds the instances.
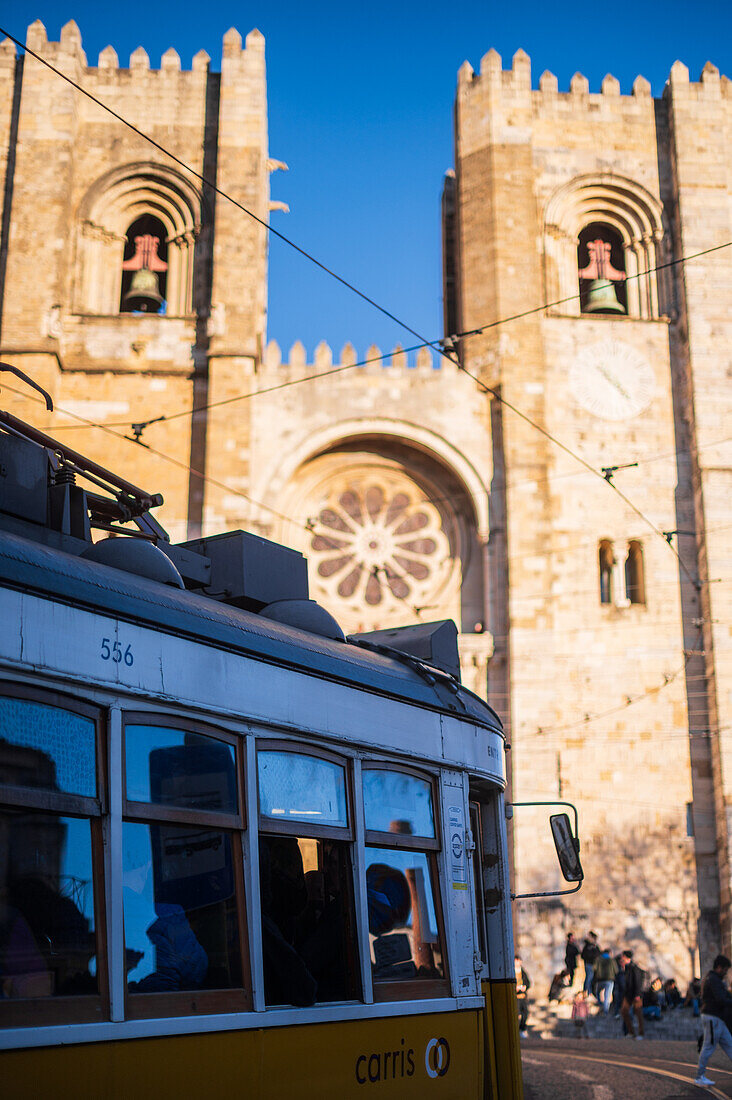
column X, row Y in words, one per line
column 439, row 346
column 215, row 188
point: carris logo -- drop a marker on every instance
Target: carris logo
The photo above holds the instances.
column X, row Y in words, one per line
column 391, row 1065
column 437, row 1057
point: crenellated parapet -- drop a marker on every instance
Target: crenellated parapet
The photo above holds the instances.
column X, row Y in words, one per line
column 395, row 364
column 513, row 88
column 239, row 59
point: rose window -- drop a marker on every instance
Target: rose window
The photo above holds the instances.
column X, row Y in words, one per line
column 379, row 545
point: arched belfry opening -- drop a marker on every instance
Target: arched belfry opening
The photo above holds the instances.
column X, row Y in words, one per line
column 607, row 565
column 145, row 267
column 605, row 249
column 635, row 582
column 139, row 228
column 601, row 270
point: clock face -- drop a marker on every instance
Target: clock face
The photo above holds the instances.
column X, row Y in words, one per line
column 612, row 380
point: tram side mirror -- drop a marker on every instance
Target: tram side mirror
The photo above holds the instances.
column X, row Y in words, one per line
column 567, row 847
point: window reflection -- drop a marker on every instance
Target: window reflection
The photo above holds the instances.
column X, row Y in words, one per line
column 403, row 929
column 395, row 802
column 295, row 787
column 180, row 914
column 176, row 768
column 47, row 934
column 44, row 746
column 308, row 934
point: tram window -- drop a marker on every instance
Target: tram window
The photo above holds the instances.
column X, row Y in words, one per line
column 308, row 909
column 182, row 871
column 45, row 746
column 47, row 939
column 52, row 952
column 180, row 911
column 397, row 802
column 178, row 768
column 297, row 787
column 406, row 935
column 308, row 926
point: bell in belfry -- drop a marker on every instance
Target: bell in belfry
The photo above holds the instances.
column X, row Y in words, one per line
column 601, row 298
column 144, row 294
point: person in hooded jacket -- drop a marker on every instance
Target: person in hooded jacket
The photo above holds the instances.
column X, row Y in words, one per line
column 523, row 984
column 571, row 955
column 632, row 997
column 605, row 971
column 590, row 955
column 716, row 1006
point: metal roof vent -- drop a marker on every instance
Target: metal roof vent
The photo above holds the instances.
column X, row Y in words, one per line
column 434, row 643
column 135, row 555
column 304, row 615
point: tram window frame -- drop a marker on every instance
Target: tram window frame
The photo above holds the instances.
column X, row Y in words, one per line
column 475, row 816
column 345, row 834
column 270, row 824
column 144, row 1005
column 408, row 989
column 85, row 1008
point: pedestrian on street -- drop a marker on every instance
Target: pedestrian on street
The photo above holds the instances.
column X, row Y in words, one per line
column 605, row 970
column 560, row 983
column 580, row 1012
column 523, row 984
column 590, row 955
column 671, row 992
column 632, row 997
column 716, row 1005
column 693, row 995
column 621, row 962
column 570, row 956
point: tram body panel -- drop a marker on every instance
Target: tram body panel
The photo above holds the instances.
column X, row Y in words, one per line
column 501, row 1043
column 82, row 646
column 124, row 644
column 403, row 1057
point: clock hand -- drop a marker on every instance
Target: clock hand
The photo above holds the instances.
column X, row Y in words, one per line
column 613, row 381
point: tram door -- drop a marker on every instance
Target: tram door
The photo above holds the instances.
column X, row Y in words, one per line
column 494, row 941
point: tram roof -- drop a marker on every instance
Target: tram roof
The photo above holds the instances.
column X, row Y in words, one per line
column 56, row 575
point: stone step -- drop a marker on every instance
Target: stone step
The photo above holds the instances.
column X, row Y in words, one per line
column 551, row 1021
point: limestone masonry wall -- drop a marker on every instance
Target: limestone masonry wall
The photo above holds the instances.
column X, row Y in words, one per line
column 414, row 493
column 604, row 701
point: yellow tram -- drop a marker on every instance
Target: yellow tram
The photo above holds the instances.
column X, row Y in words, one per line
column 239, row 853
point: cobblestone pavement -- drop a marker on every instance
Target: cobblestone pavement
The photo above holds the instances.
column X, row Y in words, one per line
column 606, row 1069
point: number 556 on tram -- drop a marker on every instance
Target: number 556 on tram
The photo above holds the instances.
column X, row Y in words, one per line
column 239, row 852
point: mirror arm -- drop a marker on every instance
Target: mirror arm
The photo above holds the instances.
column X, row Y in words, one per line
column 552, row 802
column 547, row 893
column 550, row 893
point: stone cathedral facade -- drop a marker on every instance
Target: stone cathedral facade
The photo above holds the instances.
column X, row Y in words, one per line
column 570, row 509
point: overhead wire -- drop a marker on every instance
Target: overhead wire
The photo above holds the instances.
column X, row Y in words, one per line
column 440, row 346
column 212, row 185
column 289, row 519
column 286, row 384
column 587, row 719
column 587, row 466
column 437, row 345
column 213, row 481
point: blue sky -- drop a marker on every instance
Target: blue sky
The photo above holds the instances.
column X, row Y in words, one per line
column 360, row 101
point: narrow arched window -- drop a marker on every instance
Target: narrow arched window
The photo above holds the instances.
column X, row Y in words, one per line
column 145, row 267
column 601, row 270
column 635, row 587
column 607, row 561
